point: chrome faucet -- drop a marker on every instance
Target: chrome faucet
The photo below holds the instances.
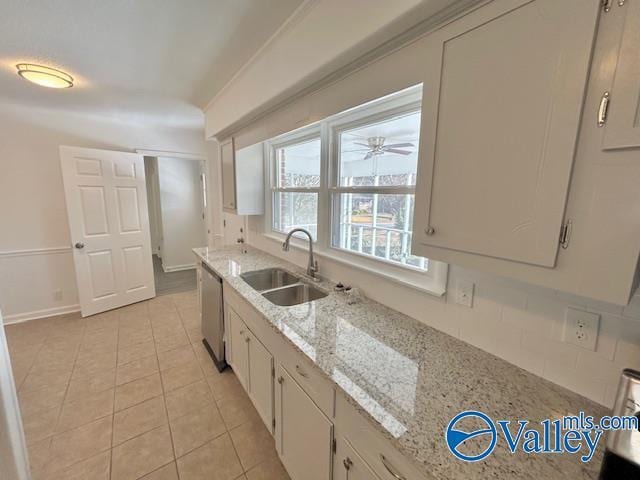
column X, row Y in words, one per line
column 312, row 267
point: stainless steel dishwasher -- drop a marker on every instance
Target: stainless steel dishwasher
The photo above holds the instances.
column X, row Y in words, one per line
column 213, row 316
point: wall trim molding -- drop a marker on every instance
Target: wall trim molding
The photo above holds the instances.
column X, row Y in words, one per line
column 34, row 251
column 178, row 268
column 36, row 314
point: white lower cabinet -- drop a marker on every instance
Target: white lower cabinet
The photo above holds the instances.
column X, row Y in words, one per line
column 304, row 435
column 253, row 365
column 349, row 465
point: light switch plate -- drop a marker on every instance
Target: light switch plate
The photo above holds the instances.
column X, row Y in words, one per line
column 464, row 292
column 581, row 328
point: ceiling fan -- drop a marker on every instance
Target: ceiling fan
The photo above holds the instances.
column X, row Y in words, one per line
column 376, row 146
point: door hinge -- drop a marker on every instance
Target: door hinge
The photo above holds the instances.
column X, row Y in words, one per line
column 224, row 223
column 273, row 423
column 565, row 234
column 603, row 109
column 334, row 446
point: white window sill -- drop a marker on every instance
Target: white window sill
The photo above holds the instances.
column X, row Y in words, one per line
column 434, row 283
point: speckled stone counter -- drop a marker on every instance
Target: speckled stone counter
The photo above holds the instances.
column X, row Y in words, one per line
column 410, row 380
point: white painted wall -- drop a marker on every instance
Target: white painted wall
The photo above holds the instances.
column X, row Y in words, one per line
column 518, row 322
column 32, row 206
column 182, row 207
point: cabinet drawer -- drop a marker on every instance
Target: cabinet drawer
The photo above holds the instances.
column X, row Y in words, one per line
column 309, row 378
column 374, row 449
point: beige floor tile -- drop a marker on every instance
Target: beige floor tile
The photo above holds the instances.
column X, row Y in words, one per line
column 168, row 472
column 85, row 410
column 137, row 391
column 94, row 468
column 33, row 401
column 142, row 367
column 271, row 469
column 39, row 454
column 190, row 317
column 216, row 460
column 79, row 444
column 102, row 342
column 44, row 366
column 88, row 364
column 86, row 386
column 224, row 385
column 181, row 375
column 129, row 337
column 38, row 382
column 170, row 341
column 136, row 351
column 196, row 428
column 174, row 358
column 186, row 399
column 253, row 442
column 142, row 455
column 40, row 425
column 236, row 410
column 138, row 419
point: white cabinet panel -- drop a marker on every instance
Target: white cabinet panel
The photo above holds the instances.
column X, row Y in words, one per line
column 239, row 357
column 261, row 380
column 622, row 128
column 303, row 433
column 502, row 100
column 242, row 179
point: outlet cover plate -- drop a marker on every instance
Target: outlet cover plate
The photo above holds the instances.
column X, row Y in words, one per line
column 581, row 328
column 464, row 292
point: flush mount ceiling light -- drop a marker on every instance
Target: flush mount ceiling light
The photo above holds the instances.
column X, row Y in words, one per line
column 44, row 76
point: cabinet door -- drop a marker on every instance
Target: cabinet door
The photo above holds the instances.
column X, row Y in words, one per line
column 349, row 465
column 261, row 380
column 502, row 101
column 227, row 160
column 303, row 433
column 622, row 128
column 239, row 337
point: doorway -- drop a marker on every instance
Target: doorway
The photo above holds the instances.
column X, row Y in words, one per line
column 177, row 199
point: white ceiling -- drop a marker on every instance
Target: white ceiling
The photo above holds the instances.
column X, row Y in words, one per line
column 157, row 61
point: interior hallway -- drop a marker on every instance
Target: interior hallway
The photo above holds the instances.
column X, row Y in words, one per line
column 172, row 282
column 131, row 394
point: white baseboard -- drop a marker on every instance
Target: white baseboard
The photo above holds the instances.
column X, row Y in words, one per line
column 47, row 312
column 178, row 268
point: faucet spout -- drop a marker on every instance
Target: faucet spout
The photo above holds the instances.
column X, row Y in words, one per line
column 312, row 266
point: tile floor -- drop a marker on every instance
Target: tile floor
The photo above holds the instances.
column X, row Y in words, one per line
column 133, row 394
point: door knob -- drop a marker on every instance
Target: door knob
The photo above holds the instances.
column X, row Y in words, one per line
column 430, row 231
column 79, row 245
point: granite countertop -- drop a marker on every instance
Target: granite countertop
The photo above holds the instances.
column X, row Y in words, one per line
column 410, row 379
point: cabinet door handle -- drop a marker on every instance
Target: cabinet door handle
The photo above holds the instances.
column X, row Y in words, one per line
column 390, row 468
column 248, row 339
column 301, row 372
column 603, row 109
column 347, row 463
column 280, row 380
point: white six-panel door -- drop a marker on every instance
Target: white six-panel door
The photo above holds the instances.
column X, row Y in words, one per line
column 109, row 225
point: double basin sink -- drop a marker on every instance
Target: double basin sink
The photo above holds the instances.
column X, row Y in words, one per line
column 281, row 287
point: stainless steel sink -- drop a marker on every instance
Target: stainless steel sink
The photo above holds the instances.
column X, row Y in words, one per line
column 269, row 279
column 294, row 295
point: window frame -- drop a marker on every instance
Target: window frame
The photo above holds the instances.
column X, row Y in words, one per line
column 272, row 188
column 434, row 279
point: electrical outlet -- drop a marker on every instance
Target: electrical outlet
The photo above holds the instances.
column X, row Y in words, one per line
column 581, row 328
column 464, row 293
column 57, row 294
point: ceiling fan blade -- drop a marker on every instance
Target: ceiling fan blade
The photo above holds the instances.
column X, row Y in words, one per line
column 356, row 150
column 399, row 145
column 395, row 150
column 368, row 156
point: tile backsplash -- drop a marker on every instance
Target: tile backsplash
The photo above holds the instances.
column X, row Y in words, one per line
column 524, row 325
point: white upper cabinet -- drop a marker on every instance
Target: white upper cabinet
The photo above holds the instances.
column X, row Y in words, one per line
column 622, row 126
column 242, row 179
column 503, row 95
